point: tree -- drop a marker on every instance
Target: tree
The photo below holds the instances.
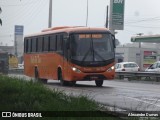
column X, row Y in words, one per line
column 0, row 18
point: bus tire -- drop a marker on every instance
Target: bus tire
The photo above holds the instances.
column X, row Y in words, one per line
column 60, row 77
column 99, row 83
column 72, row 83
column 43, row 80
column 36, row 74
column 121, row 77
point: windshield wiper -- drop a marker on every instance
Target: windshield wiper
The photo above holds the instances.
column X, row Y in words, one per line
column 98, row 55
column 85, row 56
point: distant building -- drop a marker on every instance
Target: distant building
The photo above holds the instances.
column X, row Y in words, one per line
column 8, row 49
column 144, row 56
column 11, row 51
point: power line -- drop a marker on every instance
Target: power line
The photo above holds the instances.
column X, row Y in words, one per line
column 144, row 20
column 87, row 15
column 20, row 16
column 10, row 35
column 15, row 5
column 142, row 26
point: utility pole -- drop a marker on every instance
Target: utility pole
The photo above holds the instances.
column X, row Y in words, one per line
column 141, row 57
column 139, row 34
column 87, row 15
column 107, row 18
column 50, row 14
column 0, row 18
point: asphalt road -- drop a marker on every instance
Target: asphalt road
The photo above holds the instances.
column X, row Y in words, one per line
column 126, row 95
column 118, row 94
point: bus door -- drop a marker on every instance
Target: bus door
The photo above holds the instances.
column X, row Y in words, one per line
column 66, row 57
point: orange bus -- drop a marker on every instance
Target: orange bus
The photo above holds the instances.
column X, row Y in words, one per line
column 70, row 54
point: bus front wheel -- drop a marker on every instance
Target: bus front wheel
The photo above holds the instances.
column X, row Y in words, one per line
column 72, row 83
column 62, row 82
column 99, row 83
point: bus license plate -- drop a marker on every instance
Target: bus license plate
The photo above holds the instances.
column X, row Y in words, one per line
column 94, row 77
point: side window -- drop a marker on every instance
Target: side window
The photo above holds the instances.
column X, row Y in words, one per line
column 29, row 45
column 25, row 45
column 52, row 45
column 158, row 65
column 34, row 45
column 46, row 43
column 40, row 44
column 59, row 42
column 154, row 65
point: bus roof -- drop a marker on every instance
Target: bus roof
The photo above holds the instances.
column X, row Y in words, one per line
column 68, row 29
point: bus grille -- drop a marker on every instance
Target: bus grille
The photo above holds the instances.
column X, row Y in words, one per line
column 91, row 77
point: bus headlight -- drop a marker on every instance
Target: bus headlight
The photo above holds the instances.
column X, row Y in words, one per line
column 110, row 69
column 76, row 69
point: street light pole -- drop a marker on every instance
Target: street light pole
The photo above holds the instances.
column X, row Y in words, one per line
column 106, row 17
column 87, row 15
column 139, row 34
column 50, row 14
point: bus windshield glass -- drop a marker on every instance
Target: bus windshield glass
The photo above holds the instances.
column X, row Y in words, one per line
column 92, row 47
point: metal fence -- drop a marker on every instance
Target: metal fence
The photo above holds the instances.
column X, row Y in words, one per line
column 138, row 75
column 16, row 71
column 119, row 75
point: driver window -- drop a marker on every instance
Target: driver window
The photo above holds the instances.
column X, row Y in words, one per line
column 158, row 65
column 154, row 66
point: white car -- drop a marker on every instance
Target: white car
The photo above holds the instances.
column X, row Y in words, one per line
column 127, row 66
column 154, row 67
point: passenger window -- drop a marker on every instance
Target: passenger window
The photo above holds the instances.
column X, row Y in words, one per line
column 34, row 45
column 52, row 45
column 29, row 45
column 158, row 65
column 59, row 42
column 40, row 44
column 46, row 43
column 26, row 45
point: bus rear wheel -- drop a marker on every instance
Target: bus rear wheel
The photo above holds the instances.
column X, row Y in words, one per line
column 36, row 75
column 99, row 83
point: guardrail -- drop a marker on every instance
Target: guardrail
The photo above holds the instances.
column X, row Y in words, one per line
column 138, row 75
column 15, row 71
column 119, row 75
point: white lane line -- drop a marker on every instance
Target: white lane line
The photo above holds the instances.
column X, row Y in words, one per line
column 157, row 100
column 144, row 101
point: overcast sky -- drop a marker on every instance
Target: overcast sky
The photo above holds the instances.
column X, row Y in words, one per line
column 141, row 16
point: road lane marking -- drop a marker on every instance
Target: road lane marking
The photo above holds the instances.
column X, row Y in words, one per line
column 144, row 101
column 157, row 100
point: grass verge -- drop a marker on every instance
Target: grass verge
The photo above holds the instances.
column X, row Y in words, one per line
column 21, row 95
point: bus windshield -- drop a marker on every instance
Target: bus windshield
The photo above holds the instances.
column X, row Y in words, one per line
column 92, row 47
